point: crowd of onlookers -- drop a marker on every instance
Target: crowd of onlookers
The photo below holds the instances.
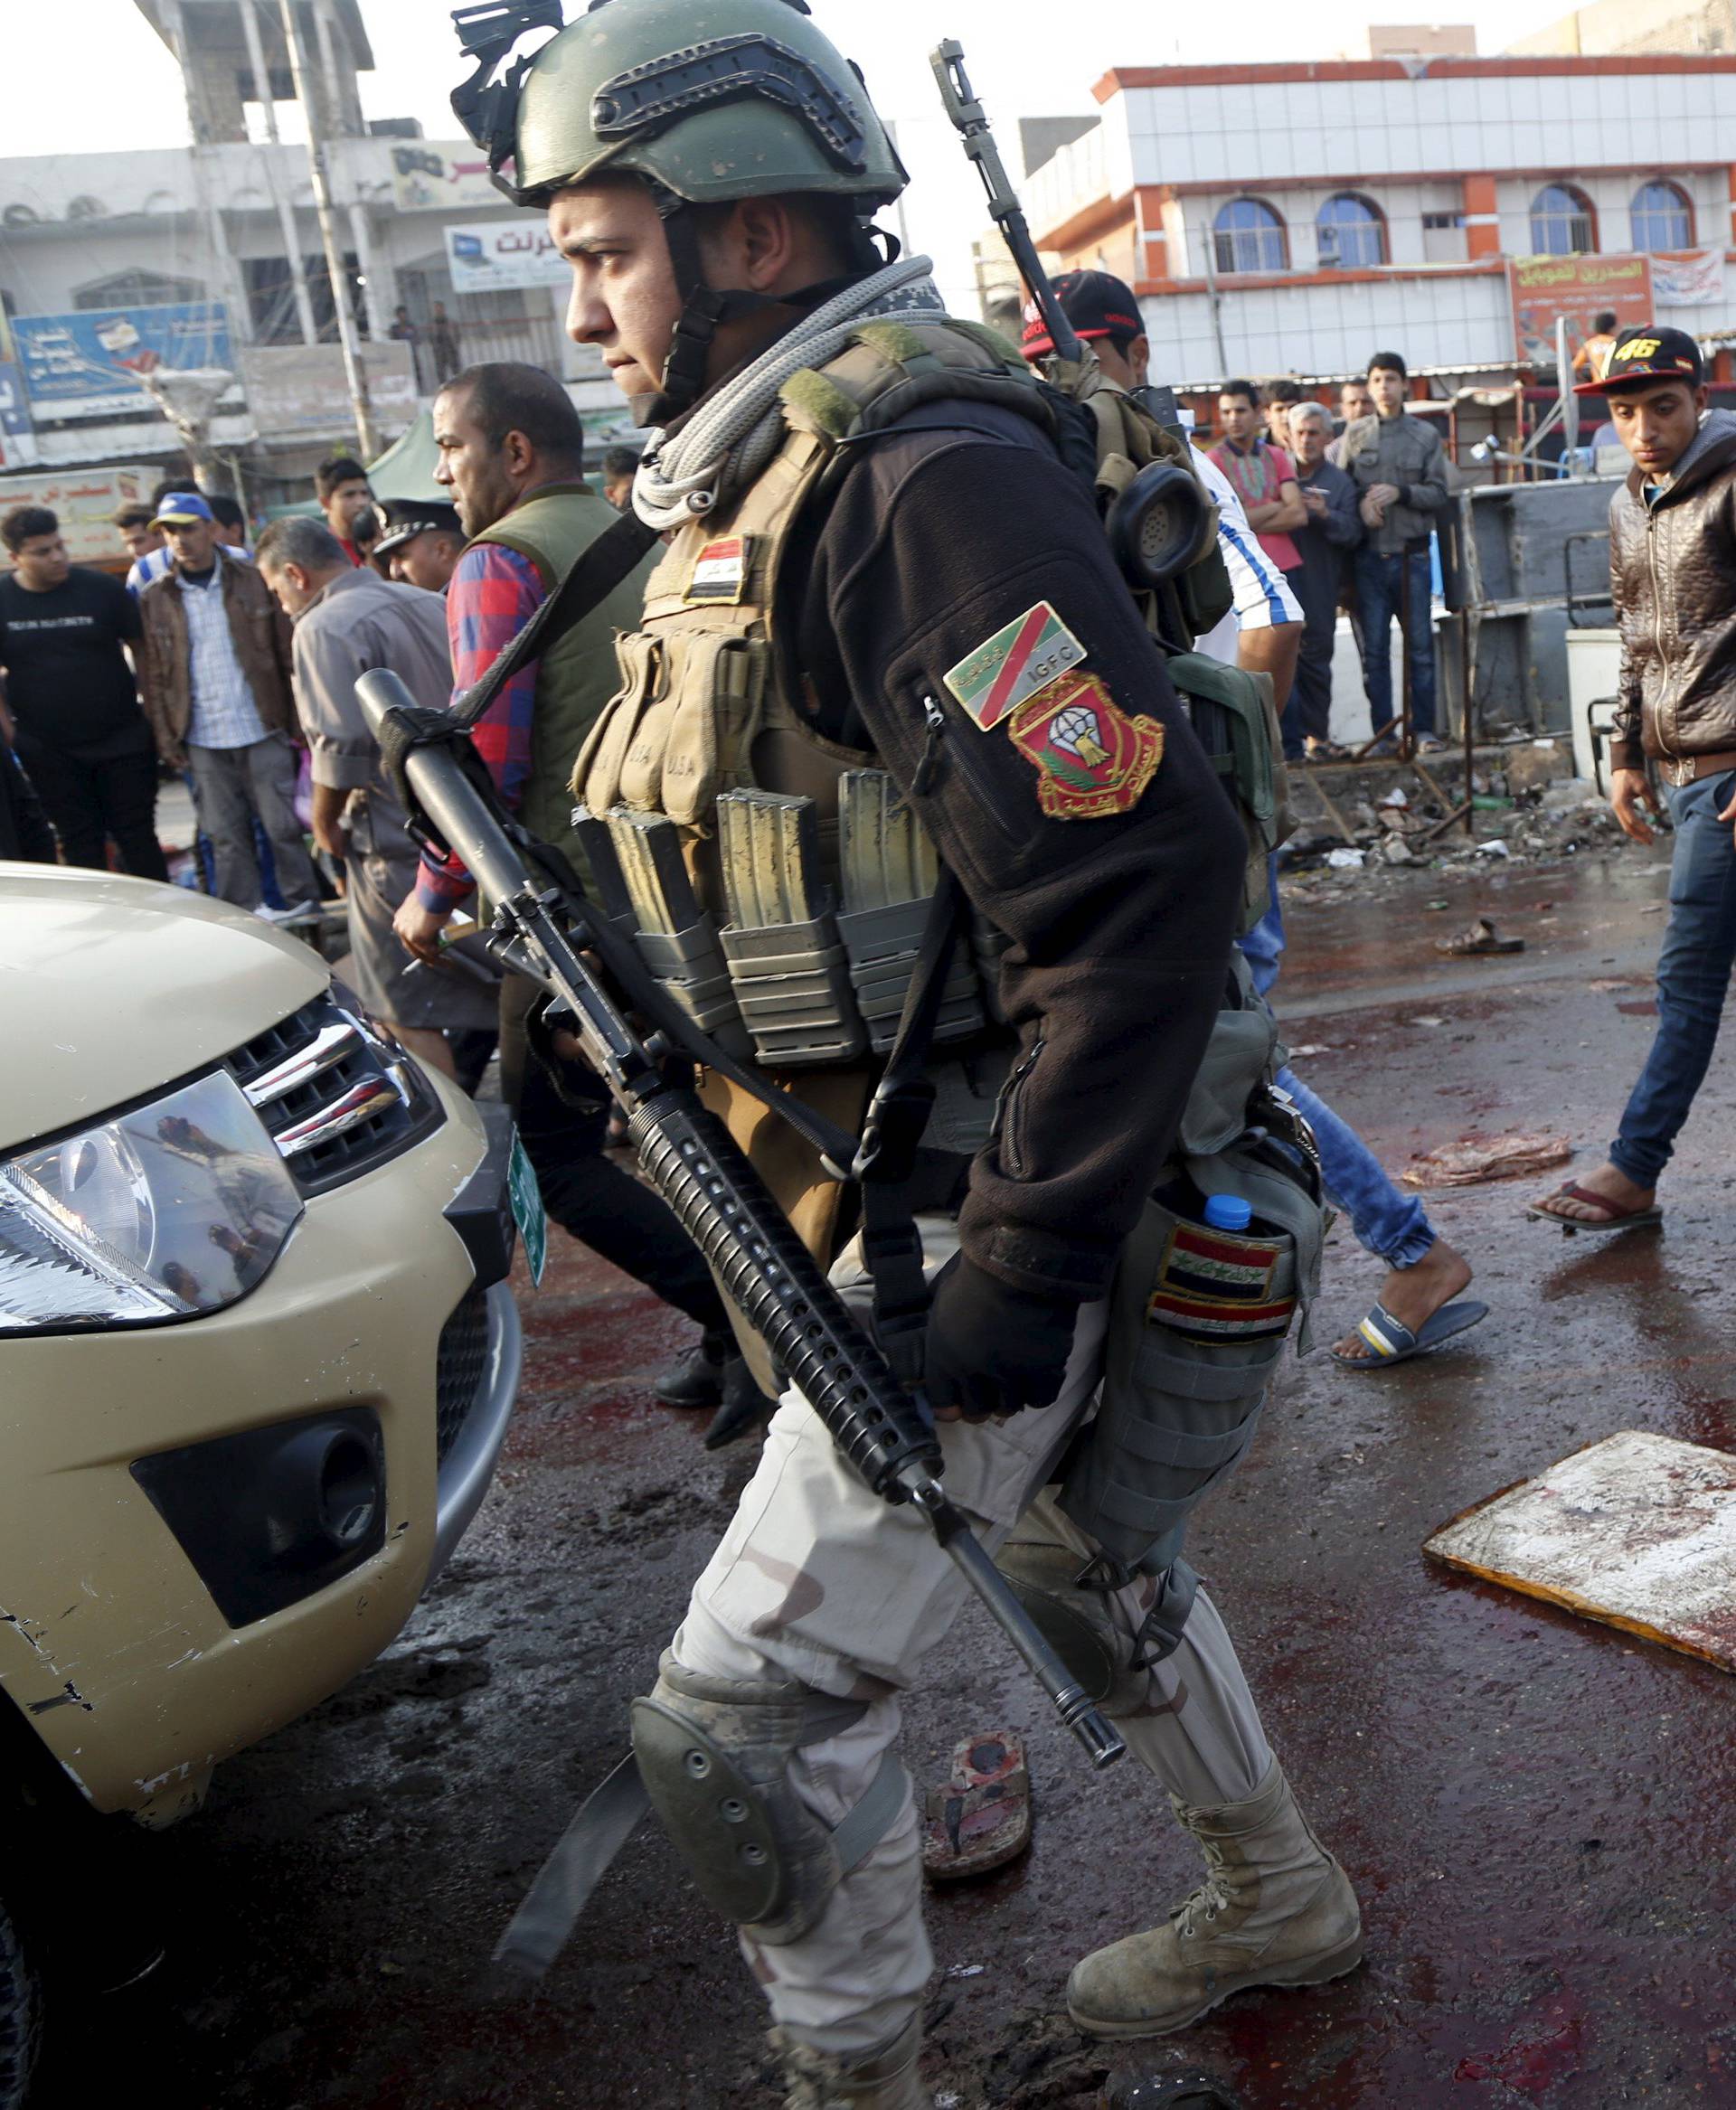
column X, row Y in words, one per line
column 1345, row 510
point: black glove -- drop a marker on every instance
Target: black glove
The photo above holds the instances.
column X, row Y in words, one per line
column 992, row 1349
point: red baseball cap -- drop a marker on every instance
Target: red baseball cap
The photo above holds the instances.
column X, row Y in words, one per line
column 1096, row 303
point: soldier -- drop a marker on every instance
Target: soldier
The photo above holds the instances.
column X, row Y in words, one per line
column 884, row 555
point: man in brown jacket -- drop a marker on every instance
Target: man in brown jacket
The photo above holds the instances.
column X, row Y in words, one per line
column 1672, row 570
column 214, row 671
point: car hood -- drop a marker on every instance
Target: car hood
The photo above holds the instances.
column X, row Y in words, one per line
column 111, row 987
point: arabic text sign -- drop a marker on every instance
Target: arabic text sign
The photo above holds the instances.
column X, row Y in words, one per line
column 84, row 502
column 1688, row 277
column 503, row 255
column 87, row 364
column 427, row 174
column 1581, row 289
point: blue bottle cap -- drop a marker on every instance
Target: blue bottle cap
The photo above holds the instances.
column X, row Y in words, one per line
column 1228, row 1212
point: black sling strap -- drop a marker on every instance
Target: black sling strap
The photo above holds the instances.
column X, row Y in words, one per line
column 593, row 575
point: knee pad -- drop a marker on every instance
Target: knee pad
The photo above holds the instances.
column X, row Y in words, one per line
column 714, row 1755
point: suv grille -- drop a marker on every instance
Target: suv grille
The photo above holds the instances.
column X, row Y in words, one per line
column 461, row 1369
column 336, row 1100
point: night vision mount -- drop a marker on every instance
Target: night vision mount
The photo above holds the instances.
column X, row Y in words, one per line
column 489, row 108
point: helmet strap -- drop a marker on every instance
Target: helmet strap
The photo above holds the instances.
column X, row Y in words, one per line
column 703, row 308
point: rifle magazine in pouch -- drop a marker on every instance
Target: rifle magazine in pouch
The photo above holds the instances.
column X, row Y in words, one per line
column 691, row 969
column 1197, row 1323
column 792, row 986
column 882, row 946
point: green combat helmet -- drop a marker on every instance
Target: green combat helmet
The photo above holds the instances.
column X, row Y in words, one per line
column 705, row 100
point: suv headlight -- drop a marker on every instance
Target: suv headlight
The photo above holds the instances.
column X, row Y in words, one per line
column 173, row 1209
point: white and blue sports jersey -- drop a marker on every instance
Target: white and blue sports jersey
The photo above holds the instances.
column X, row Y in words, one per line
column 1263, row 597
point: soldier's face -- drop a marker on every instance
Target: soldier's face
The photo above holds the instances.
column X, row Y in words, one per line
column 623, row 298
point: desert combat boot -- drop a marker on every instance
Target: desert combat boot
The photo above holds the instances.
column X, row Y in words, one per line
column 881, row 2079
column 1275, row 1910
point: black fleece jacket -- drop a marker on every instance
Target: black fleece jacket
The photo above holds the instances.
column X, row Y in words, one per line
column 938, row 534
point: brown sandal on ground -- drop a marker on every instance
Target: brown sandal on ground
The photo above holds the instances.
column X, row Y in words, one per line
column 981, row 1819
column 1480, row 936
column 1614, row 1216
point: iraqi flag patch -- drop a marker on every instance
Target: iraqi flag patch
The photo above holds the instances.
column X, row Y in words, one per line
column 720, row 570
column 995, row 677
column 1092, row 759
column 1218, row 1285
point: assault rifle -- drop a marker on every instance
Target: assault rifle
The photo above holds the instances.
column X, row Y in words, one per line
column 546, row 930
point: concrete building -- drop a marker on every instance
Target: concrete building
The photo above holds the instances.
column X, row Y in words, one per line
column 1279, row 219
column 207, row 259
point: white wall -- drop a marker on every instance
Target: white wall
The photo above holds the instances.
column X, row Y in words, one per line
column 1331, row 327
column 1238, row 135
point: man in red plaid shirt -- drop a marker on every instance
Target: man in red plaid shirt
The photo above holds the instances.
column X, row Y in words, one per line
column 512, row 454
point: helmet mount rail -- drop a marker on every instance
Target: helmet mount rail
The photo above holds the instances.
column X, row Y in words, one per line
column 645, row 98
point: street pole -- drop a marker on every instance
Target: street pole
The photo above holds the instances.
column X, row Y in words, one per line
column 354, row 370
column 284, row 211
column 1208, row 247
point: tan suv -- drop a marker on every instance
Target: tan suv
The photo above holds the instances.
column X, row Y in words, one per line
column 257, row 1358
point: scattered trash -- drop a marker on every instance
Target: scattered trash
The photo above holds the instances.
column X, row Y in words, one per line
column 965, row 1969
column 1396, row 796
column 1638, row 1530
column 1424, row 1018
column 1478, row 1157
column 1344, row 859
column 1395, row 850
column 1433, row 906
column 1495, row 847
column 1477, row 936
column 1313, row 1047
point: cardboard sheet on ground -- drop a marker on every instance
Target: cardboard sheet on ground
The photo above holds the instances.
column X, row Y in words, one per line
column 1638, row 1531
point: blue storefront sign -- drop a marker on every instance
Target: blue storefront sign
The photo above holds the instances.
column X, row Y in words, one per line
column 87, row 364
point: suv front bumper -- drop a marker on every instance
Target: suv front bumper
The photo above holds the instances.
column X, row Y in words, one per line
column 112, row 1645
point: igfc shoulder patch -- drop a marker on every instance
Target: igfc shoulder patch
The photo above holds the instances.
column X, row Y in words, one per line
column 995, row 677
column 1092, row 759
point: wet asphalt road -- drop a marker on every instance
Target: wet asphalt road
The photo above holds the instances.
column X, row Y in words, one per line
column 1536, row 1810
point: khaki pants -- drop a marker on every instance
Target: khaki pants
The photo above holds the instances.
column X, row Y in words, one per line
column 819, row 1581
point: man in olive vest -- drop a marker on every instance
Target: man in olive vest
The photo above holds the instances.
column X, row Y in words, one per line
column 887, row 629
column 512, row 454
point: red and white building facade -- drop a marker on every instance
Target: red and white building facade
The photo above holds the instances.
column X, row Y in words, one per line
column 1293, row 219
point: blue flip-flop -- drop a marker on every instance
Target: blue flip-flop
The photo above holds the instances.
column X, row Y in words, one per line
column 1393, row 1341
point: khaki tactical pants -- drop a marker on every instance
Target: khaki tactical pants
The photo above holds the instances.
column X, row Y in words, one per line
column 819, row 1581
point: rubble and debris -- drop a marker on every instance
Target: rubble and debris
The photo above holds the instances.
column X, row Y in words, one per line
column 1478, row 1157
column 1495, row 847
column 1637, row 1531
column 1344, row 859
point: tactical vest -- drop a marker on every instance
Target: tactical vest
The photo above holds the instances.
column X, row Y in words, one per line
column 807, row 876
column 553, row 528
column 774, row 880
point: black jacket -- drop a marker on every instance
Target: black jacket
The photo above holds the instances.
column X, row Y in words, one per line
column 939, row 534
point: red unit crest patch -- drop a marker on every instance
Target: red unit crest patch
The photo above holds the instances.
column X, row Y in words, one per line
column 1092, row 759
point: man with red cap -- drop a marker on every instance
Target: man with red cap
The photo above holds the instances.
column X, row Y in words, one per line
column 1673, row 571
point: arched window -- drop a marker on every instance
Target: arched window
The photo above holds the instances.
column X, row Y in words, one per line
column 1249, row 236
column 1561, row 222
column 1662, row 216
column 1352, row 234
